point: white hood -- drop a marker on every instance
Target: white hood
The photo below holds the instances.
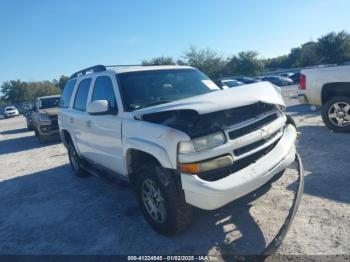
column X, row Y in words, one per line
column 224, row 99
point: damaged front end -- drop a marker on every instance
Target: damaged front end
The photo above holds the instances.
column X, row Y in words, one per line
column 195, row 125
column 214, row 129
column 238, row 141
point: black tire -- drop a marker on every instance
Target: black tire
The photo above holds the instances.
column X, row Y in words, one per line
column 178, row 212
column 43, row 139
column 329, row 122
column 76, row 162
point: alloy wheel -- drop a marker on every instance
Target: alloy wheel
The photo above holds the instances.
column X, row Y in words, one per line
column 339, row 114
column 153, row 201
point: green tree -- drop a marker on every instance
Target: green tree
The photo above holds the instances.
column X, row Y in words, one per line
column 334, row 47
column 161, row 60
column 245, row 63
column 61, row 83
column 277, row 62
column 15, row 91
column 18, row 91
column 206, row 60
column 309, row 55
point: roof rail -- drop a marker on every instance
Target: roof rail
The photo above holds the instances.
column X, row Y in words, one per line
column 121, row 65
column 93, row 69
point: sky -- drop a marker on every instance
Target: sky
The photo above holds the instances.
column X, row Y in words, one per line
column 44, row 39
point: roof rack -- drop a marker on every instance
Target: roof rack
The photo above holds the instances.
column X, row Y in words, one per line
column 93, row 69
column 99, row 68
column 122, row 65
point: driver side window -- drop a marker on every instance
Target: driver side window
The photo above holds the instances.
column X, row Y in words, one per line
column 103, row 90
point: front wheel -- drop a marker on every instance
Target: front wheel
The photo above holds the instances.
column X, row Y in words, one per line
column 43, row 139
column 336, row 114
column 163, row 206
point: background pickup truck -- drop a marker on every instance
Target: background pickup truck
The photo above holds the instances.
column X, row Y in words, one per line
column 44, row 118
column 328, row 87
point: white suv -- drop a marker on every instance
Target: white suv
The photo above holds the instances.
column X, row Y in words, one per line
column 178, row 138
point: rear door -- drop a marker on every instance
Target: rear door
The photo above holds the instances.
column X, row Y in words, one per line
column 64, row 107
column 78, row 117
column 104, row 131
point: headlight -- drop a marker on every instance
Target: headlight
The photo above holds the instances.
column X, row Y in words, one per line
column 202, row 143
column 44, row 118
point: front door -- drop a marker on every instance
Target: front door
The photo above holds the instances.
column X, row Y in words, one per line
column 104, row 131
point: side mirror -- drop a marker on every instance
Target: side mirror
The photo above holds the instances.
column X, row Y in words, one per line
column 98, row 107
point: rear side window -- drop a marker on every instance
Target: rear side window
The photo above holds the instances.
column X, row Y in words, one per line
column 67, row 93
column 82, row 94
column 103, row 90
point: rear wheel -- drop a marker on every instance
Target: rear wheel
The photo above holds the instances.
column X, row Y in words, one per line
column 75, row 161
column 163, row 206
column 336, row 114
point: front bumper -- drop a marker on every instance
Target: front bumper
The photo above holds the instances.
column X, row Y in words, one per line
column 212, row 195
column 48, row 130
column 11, row 114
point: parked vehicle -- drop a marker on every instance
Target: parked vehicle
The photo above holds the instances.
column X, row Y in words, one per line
column 246, row 80
column 174, row 137
column 278, row 80
column 288, row 74
column 228, row 83
column 11, row 111
column 29, row 120
column 295, row 77
column 44, row 118
column 328, row 87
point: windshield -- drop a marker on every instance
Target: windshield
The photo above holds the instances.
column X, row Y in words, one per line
column 49, row 102
column 9, row 108
column 149, row 88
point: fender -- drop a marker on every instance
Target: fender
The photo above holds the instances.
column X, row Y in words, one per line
column 151, row 148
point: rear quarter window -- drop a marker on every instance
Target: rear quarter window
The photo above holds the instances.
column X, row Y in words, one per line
column 67, row 93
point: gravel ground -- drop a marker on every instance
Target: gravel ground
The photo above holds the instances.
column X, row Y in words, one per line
column 45, row 209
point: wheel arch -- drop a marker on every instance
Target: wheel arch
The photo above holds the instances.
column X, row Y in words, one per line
column 65, row 137
column 135, row 158
column 335, row 89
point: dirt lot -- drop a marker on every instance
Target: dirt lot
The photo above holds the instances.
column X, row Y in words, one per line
column 45, row 209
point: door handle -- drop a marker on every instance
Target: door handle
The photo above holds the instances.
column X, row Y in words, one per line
column 88, row 123
column 71, row 119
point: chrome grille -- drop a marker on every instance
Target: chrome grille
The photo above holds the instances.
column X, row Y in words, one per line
column 252, row 127
column 237, row 165
column 252, row 146
column 54, row 120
